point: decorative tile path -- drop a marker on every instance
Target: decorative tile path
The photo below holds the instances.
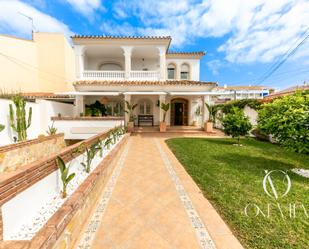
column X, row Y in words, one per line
column 151, row 202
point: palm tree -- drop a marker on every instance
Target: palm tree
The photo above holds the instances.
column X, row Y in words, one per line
column 129, row 109
column 212, row 109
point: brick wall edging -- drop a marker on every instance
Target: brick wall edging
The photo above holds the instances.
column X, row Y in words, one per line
column 18, row 145
column 48, row 235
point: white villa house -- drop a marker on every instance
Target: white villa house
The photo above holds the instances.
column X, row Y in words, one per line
column 97, row 74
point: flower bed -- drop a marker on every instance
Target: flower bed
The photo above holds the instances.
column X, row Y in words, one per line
column 26, row 227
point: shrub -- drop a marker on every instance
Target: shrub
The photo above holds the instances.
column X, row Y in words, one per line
column 287, row 120
column 253, row 103
column 236, row 123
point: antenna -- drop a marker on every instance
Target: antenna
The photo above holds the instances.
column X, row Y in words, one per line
column 31, row 20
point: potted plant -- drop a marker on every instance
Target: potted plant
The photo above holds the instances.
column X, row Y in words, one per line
column 130, row 109
column 197, row 115
column 165, row 108
column 212, row 110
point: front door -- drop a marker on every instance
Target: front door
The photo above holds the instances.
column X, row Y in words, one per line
column 179, row 112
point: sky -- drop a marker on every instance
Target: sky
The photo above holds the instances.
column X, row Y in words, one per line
column 243, row 39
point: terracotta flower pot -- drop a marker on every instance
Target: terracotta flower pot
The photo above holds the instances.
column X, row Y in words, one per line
column 130, row 126
column 162, row 127
column 208, row 127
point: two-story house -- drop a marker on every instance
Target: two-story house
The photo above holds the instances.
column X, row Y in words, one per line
column 142, row 71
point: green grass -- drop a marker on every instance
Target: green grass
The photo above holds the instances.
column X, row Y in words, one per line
column 231, row 177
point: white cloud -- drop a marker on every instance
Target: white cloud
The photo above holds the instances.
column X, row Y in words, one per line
column 214, row 66
column 11, row 21
column 257, row 31
column 85, row 7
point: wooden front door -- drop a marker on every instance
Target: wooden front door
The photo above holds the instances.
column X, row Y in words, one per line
column 179, row 112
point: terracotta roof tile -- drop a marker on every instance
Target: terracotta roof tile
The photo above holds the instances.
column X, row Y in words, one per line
column 38, row 95
column 121, row 37
column 142, row 83
column 239, row 88
column 201, row 53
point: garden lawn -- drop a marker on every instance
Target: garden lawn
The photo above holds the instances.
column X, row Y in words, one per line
column 231, row 178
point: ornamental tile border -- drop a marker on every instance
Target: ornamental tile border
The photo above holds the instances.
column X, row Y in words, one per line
column 202, row 234
column 94, row 223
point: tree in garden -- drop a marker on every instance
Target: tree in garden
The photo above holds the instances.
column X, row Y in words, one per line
column 18, row 121
column 287, row 120
column 236, row 124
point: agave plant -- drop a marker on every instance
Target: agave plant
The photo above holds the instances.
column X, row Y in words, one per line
column 165, row 108
column 51, row 130
column 90, row 153
column 65, row 177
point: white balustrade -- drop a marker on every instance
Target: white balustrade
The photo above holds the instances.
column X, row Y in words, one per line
column 104, row 75
column 144, row 75
column 120, row 75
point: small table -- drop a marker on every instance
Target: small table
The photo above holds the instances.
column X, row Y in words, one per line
column 145, row 119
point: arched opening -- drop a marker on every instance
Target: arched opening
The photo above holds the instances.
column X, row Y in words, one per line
column 179, row 111
column 171, row 71
column 185, row 71
column 110, row 66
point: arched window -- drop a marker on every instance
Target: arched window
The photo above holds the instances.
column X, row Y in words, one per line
column 110, row 66
column 145, row 107
column 171, row 71
column 185, row 72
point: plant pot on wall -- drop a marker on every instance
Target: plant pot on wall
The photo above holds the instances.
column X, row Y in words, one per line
column 130, row 126
column 208, row 127
column 162, row 127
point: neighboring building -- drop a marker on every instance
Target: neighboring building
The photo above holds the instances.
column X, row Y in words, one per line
column 287, row 91
column 111, row 70
column 43, row 64
column 228, row 93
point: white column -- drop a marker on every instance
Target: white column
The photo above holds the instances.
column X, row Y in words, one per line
column 162, row 99
column 79, row 105
column 127, row 51
column 162, row 55
column 205, row 114
column 79, row 58
column 127, row 97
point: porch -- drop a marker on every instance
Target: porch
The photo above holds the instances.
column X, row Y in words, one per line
column 186, row 111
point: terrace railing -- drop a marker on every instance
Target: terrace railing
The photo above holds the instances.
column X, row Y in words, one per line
column 120, row 75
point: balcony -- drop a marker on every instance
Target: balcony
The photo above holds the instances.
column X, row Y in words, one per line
column 120, row 75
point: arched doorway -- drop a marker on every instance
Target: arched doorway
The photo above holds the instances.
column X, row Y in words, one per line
column 179, row 111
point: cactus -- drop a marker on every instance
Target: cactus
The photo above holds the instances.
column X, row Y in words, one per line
column 19, row 123
column 65, row 177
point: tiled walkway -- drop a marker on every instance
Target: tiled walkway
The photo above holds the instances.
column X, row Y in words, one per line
column 151, row 202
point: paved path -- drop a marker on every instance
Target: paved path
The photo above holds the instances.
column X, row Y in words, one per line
column 151, row 202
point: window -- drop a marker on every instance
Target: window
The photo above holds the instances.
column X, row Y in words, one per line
column 184, row 73
column 115, row 109
column 171, row 71
column 145, row 107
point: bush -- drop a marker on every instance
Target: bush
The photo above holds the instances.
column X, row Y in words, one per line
column 236, row 123
column 287, row 120
column 253, row 103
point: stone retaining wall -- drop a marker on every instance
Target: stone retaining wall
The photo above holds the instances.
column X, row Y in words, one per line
column 14, row 156
column 62, row 229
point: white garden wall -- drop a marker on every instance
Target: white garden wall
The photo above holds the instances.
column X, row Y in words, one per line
column 42, row 111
